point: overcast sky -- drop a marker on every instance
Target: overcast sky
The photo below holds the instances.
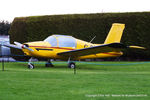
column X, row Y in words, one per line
column 9, row 9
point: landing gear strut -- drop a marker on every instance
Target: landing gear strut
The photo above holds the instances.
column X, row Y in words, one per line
column 49, row 63
column 30, row 65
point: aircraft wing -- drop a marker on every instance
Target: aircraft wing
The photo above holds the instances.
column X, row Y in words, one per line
column 112, row 47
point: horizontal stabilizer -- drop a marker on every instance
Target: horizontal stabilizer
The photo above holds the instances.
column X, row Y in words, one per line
column 136, row 47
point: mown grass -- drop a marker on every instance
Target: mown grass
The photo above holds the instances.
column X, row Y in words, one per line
column 91, row 82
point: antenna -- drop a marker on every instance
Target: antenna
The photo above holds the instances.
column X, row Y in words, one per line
column 93, row 39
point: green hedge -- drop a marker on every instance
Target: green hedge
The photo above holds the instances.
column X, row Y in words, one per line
column 85, row 27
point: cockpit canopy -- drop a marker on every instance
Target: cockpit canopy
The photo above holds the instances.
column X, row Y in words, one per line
column 61, row 41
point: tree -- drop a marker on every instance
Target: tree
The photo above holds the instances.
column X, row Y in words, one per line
column 4, row 27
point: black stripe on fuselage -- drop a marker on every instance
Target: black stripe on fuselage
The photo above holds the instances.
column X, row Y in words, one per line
column 38, row 49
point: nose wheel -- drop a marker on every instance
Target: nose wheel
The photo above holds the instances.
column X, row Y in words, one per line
column 30, row 65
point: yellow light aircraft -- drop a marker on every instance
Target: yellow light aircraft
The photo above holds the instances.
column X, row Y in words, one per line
column 70, row 48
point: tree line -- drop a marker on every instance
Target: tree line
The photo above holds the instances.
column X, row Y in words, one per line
column 4, row 27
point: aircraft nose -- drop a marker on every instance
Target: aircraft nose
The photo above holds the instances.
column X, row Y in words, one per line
column 38, row 43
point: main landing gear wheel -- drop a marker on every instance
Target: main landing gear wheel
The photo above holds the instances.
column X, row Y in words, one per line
column 30, row 66
column 49, row 63
column 71, row 65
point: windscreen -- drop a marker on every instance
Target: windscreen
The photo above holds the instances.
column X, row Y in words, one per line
column 52, row 40
column 66, row 41
column 61, row 41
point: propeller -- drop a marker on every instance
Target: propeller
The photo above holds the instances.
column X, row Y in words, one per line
column 18, row 44
column 23, row 46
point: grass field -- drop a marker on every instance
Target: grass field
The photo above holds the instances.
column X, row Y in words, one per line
column 93, row 81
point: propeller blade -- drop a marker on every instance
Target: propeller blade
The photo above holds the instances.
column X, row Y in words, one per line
column 23, row 46
column 12, row 46
column 18, row 44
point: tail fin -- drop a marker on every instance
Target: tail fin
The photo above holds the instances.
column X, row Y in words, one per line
column 115, row 33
